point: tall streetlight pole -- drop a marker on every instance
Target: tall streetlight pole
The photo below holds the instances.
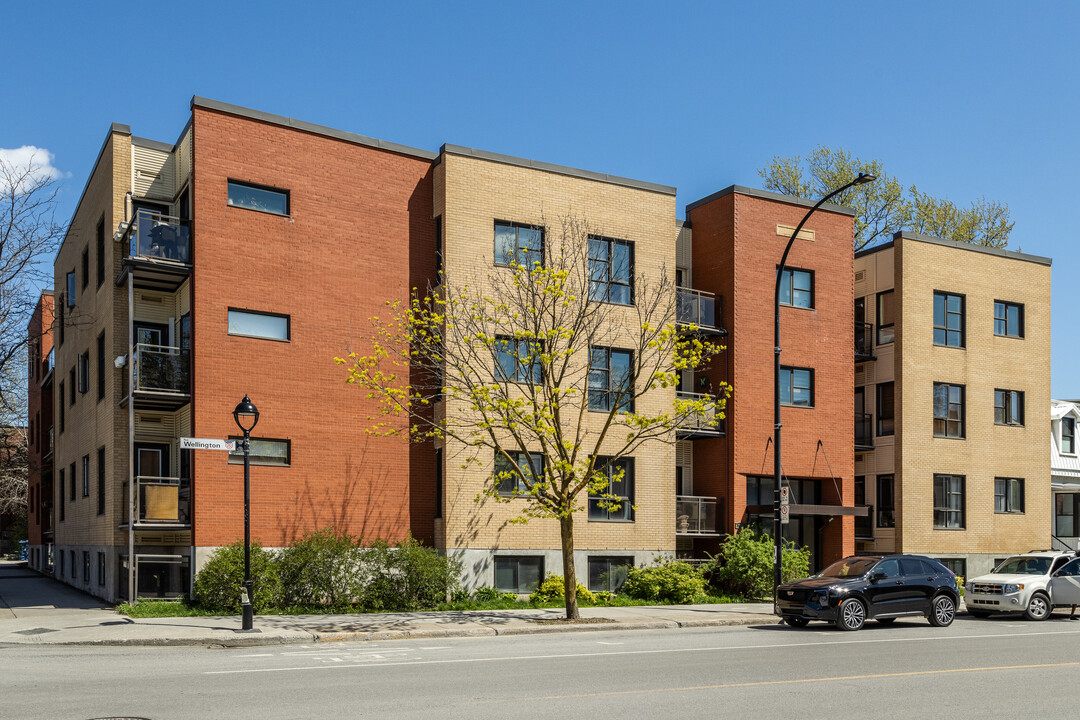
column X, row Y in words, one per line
column 777, row 527
column 246, row 413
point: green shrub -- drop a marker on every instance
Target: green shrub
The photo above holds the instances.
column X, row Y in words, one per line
column 485, row 594
column 408, row 577
column 322, row 568
column 553, row 589
column 674, row 582
column 218, row 584
column 744, row 566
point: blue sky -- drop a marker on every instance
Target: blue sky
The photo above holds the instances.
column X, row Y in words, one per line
column 963, row 99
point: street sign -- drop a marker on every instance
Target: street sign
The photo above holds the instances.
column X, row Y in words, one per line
column 785, row 492
column 200, row 444
column 785, row 515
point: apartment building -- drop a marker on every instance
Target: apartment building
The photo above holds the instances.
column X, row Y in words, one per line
column 952, row 399
column 40, row 436
column 1065, row 474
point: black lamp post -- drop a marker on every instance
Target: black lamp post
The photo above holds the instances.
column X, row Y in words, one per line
column 777, row 526
column 247, row 416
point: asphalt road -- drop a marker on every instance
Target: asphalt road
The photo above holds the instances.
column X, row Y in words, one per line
column 976, row 668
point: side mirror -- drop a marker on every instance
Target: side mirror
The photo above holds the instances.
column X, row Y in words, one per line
column 877, row 576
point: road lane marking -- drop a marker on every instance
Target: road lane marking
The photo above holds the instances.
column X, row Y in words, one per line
column 259, row 655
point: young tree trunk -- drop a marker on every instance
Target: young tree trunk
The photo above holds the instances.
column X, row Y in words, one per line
column 566, row 526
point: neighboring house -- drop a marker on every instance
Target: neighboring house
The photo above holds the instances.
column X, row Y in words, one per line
column 40, row 436
column 951, row 400
column 1065, row 474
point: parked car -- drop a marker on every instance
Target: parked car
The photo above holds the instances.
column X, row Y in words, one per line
column 882, row 588
column 1020, row 584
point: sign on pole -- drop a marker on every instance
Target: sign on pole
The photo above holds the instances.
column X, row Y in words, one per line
column 201, row 444
column 785, row 493
column 785, row 514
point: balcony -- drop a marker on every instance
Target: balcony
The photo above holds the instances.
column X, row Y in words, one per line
column 161, row 502
column 700, row 425
column 158, row 250
column 695, row 515
column 864, row 431
column 864, row 525
column 703, row 309
column 47, row 366
column 48, row 449
column 864, row 342
column 161, row 376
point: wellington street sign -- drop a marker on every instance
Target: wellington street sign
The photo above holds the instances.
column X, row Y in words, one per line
column 200, row 444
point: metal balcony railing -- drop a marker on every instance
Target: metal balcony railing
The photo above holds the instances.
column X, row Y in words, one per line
column 49, row 448
column 163, row 501
column 864, row 341
column 864, row 431
column 696, row 307
column 864, row 525
column 151, row 235
column 700, row 424
column 161, row 369
column 695, row 515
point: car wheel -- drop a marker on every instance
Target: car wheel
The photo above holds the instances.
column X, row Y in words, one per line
column 1038, row 607
column 851, row 614
column 942, row 611
column 978, row 613
column 886, row 621
column 797, row 622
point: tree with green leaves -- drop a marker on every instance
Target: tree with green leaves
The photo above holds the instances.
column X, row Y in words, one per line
column 886, row 206
column 514, row 373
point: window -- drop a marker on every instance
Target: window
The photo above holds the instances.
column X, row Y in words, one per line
column 71, row 486
column 71, row 563
column 101, row 568
column 519, row 244
column 101, row 366
column 1008, row 319
column 438, row 249
column 948, row 502
column 610, row 379
column 258, row 197
column 60, row 317
column 61, row 554
column 86, row 566
column 85, row 267
column 957, row 566
column 100, row 248
column 507, row 478
column 1067, row 514
column 61, row 485
column 86, row 476
column 611, row 270
column 101, row 481
column 948, row 410
column 264, row 451
column 518, row 360
column 608, row 574
column 1008, row 495
column 886, row 501
column 439, row 483
column 84, row 372
column 60, row 404
column 948, row 320
column 1068, row 435
column 886, row 316
column 620, row 477
column 797, row 288
column 71, row 289
column 269, row 326
column 518, row 573
column 1008, row 407
column 797, row 387
column 864, row 526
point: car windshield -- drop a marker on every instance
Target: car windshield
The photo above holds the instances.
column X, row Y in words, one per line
column 848, row 567
column 1024, row 566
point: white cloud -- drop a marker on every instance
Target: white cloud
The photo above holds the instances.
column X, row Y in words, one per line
column 15, row 161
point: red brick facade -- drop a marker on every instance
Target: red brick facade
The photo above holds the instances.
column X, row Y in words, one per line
column 39, row 424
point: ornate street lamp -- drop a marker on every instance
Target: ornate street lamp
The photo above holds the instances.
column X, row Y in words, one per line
column 246, row 416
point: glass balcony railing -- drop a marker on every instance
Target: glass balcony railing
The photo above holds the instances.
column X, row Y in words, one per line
column 695, row 515
column 864, row 430
column 864, row 341
column 695, row 307
column 151, row 235
column 159, row 368
column 703, row 423
column 161, row 501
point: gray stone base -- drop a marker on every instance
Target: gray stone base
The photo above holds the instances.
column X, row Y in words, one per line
column 478, row 566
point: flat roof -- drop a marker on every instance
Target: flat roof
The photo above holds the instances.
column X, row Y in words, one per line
column 767, row 195
column 970, row 247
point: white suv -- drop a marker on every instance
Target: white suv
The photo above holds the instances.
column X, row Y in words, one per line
column 1019, row 584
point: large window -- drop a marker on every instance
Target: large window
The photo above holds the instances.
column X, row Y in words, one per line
column 518, row 244
column 797, row 387
column 86, row 476
column 886, row 501
column 101, row 481
column 620, row 475
column 611, row 270
column 101, row 366
column 797, row 288
column 84, row 372
column 1008, row 495
column 518, row 573
column 85, row 267
column 610, row 379
column 264, row 451
column 1068, row 432
column 61, row 495
column 948, row 319
column 101, row 568
column 268, row 326
column 1008, row 407
column 948, row 502
column 1067, row 514
column 518, row 360
column 71, row 485
column 948, row 410
column 60, row 405
column 885, row 409
column 71, row 289
column 100, row 250
column 508, row 479
column 608, row 574
column 1008, row 319
column 258, row 197
column 886, row 317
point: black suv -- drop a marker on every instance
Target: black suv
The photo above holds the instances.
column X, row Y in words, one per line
column 883, row 588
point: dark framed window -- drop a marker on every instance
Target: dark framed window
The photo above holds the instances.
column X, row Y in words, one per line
column 797, row 288
column 71, row 563
column 60, row 476
column 864, row 526
column 60, row 404
column 948, row 410
column 518, row 573
column 516, row 243
column 86, row 566
column 1008, row 319
column 85, row 267
column 101, row 481
column 101, row 366
column 886, row 317
column 620, row 477
column 797, row 386
column 71, row 289
column 99, row 246
column 1008, row 407
column 263, row 198
column 949, row 502
column 84, row 372
column 610, row 379
column 72, row 385
column 886, row 501
column 611, row 270
column 60, row 318
column 101, row 568
column 1067, row 514
column 507, row 478
column 264, row 451
column 1068, row 435
column 608, row 574
column 957, row 566
column 518, row 360
column 948, row 319
column 263, row 325
column 1008, row 495
column 438, row 247
column 439, row 483
column 71, row 485
column 86, row 476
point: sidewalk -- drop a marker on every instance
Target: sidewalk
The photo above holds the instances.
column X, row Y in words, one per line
column 36, row 610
